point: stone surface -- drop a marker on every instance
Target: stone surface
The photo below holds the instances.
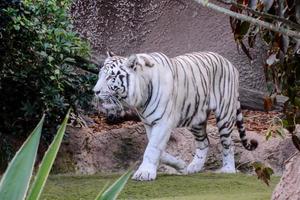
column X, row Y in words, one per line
column 288, row 186
column 117, row 150
column 168, row 26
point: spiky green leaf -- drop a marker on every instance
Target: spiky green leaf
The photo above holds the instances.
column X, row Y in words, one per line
column 15, row 181
column 114, row 190
column 47, row 162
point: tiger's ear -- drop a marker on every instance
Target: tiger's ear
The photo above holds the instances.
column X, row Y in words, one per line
column 147, row 61
column 135, row 61
column 131, row 62
column 110, row 54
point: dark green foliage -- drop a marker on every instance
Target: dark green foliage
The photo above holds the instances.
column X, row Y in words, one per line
column 38, row 67
column 283, row 57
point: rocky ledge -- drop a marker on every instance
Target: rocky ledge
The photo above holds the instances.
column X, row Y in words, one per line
column 86, row 151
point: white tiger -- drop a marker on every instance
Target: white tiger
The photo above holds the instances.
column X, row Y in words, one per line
column 176, row 92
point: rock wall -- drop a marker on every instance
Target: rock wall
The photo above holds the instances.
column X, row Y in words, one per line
column 173, row 27
column 87, row 152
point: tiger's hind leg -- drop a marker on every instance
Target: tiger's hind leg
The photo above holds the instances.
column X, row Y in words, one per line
column 225, row 129
column 172, row 161
column 202, row 143
column 167, row 158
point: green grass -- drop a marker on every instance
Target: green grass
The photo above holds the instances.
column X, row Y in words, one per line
column 193, row 187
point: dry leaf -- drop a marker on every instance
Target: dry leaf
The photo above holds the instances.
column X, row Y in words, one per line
column 263, row 173
column 268, row 103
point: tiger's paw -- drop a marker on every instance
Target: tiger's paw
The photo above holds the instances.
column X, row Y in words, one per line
column 194, row 167
column 228, row 163
column 227, row 170
column 145, row 173
column 181, row 167
column 198, row 161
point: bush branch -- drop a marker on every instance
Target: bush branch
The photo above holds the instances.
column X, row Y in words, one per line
column 262, row 14
column 252, row 20
column 83, row 63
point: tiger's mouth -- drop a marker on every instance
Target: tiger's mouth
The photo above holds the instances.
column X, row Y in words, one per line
column 104, row 97
column 112, row 109
column 108, row 103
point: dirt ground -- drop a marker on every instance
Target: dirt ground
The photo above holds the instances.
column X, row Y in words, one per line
column 258, row 121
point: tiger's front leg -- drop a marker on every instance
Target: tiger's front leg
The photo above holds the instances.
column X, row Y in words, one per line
column 167, row 158
column 160, row 135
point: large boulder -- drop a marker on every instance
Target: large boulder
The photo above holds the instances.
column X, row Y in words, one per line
column 86, row 151
column 288, row 186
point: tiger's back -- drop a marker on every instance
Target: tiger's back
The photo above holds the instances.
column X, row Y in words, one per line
column 197, row 84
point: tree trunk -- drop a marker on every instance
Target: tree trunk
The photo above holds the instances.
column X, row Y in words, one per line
column 254, row 100
column 289, row 185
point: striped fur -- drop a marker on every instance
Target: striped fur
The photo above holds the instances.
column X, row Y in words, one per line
column 177, row 92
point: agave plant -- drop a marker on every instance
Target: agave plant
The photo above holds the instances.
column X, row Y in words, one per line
column 19, row 172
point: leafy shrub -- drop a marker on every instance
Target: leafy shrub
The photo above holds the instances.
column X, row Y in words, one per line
column 38, row 67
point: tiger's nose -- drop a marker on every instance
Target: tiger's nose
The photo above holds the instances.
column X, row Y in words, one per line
column 96, row 91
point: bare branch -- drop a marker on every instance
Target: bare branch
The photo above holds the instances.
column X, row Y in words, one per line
column 252, row 20
column 264, row 15
column 83, row 63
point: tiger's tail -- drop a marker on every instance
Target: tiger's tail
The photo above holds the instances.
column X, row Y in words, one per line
column 250, row 146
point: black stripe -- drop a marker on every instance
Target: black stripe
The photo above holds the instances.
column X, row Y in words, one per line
column 169, row 64
column 150, row 91
column 163, row 113
column 225, row 146
column 200, row 140
column 239, row 124
column 152, row 112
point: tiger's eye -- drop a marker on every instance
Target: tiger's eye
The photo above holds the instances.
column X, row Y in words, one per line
column 108, row 78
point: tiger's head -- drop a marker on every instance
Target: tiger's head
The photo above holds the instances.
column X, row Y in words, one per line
column 112, row 78
column 118, row 81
